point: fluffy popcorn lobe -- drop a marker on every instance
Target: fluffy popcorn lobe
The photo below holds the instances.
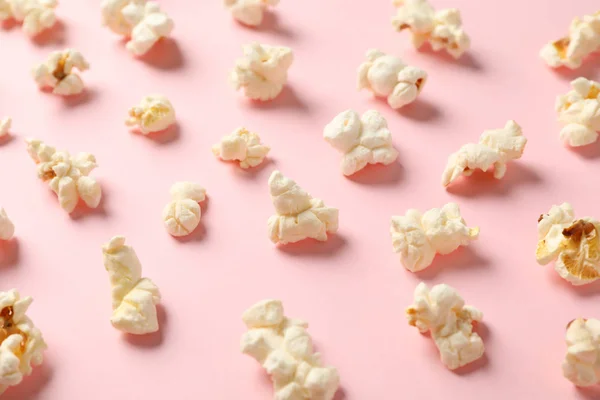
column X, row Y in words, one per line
column 582, row 361
column 363, row 140
column 285, row 350
column 443, row 313
column 495, row 148
column 579, row 111
column 249, row 12
column 57, row 72
column 155, row 113
column 441, row 29
column 182, row 215
column 67, row 176
column 298, row 215
column 35, row 15
column 388, row 76
column 243, row 146
column 573, row 244
column 262, row 71
column 419, row 237
column 7, row 229
column 134, row 298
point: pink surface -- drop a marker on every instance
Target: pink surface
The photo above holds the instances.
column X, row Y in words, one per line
column 352, row 289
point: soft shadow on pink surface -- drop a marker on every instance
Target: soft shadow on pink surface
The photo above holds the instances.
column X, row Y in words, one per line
column 591, row 151
column 467, row 60
column 55, row 35
column 588, row 290
column 151, row 340
column 464, row 258
column 271, row 24
column 311, row 247
column 88, row 95
column 165, row 55
column 421, row 110
column 82, row 210
column 32, row 386
column 253, row 172
column 590, row 69
column 200, row 232
column 288, row 98
column 340, row 394
column 587, row 393
column 379, row 174
column 9, row 253
column 9, row 24
column 6, row 139
column 165, row 136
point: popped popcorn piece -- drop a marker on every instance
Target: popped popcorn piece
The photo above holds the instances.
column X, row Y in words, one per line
column 579, row 110
column 35, row 15
column 155, row 113
column 249, row 12
column 298, row 215
column 139, row 20
column 57, row 72
column 21, row 343
column 182, row 215
column 495, row 148
column 441, row 29
column 363, row 140
column 418, row 237
column 582, row 361
column 262, row 71
column 66, row 175
column 243, row 146
column 573, row 244
column 388, row 76
column 285, row 350
column 5, row 124
column 134, row 298
column 571, row 50
column 443, row 313
column 7, row 229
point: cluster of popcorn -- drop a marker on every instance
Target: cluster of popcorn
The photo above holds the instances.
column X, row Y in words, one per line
column 579, row 111
column 442, row 312
column 419, row 237
column 570, row 51
column 262, row 71
column 5, row 124
column 298, row 215
column 582, row 362
column 155, row 113
column 441, row 29
column 57, row 72
column 573, row 244
column 7, row 228
column 363, row 140
column 249, row 12
column 495, row 148
column 66, row 175
column 134, row 298
column 182, row 215
column 284, row 349
column 35, row 15
column 243, row 146
column 141, row 21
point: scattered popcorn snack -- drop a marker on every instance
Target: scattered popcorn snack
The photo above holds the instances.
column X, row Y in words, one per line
column 243, row 146
column 7, row 229
column 582, row 361
column 182, row 215
column 5, row 124
column 285, row 350
column 388, row 76
column 35, row 15
column 134, row 298
column 418, row 237
column 57, row 72
column 249, row 12
column 66, row 175
column 570, row 51
column 363, row 140
column 443, row 313
column 441, row 29
column 579, row 111
column 573, row 244
column 262, row 71
column 155, row 113
column 495, row 148
column 139, row 20
column 21, row 343
column 298, row 215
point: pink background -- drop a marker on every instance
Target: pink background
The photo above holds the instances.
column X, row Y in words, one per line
column 352, row 289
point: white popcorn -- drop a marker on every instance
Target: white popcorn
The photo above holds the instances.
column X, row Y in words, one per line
column 249, row 12
column 363, row 140
column 495, row 148
column 134, row 298
column 573, row 244
column 579, row 111
column 7, row 229
column 36, row 15
column 66, row 175
column 298, row 215
column 570, row 51
column 57, row 72
column 140, row 20
column 388, row 76
column 243, row 146
column 262, row 71
column 21, row 343
column 442, row 29
column 418, row 237
column 182, row 215
column 582, row 361
column 285, row 350
column 5, row 124
column 155, row 113
column 443, row 313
